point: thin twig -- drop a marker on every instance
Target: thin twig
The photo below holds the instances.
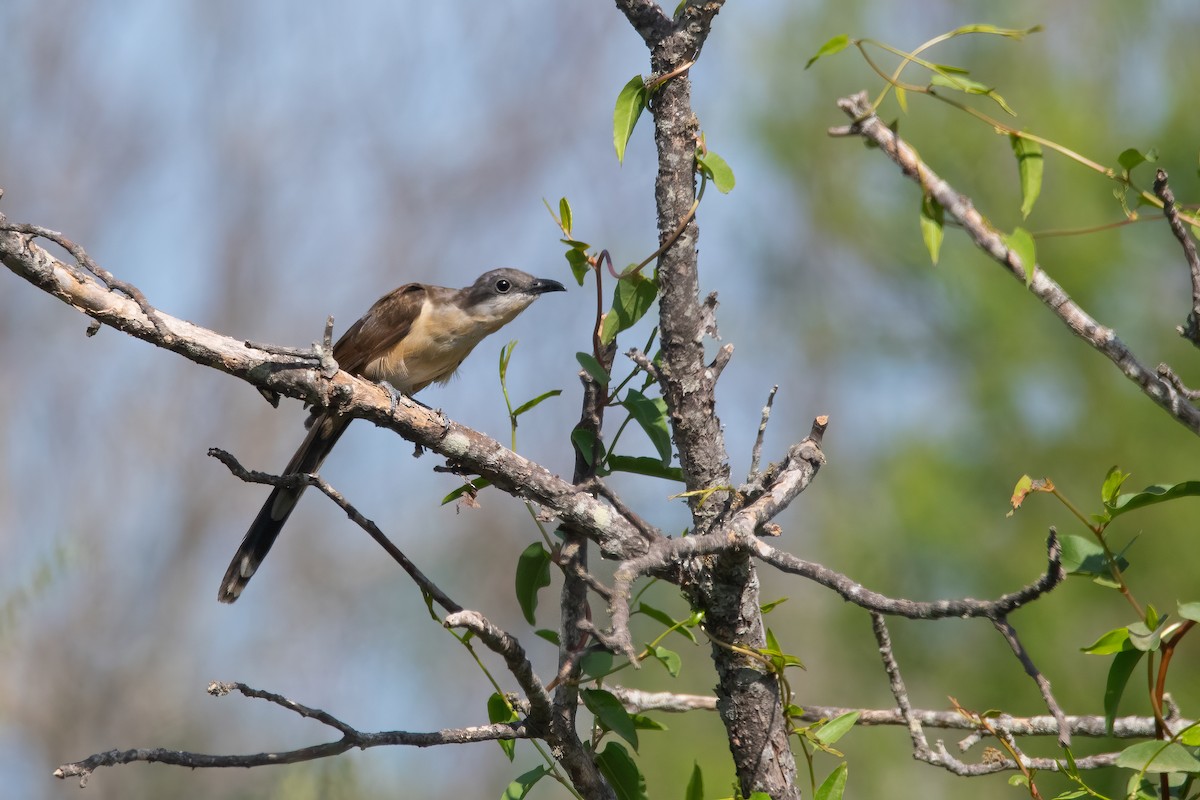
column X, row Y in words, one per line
column 1191, row 329
column 756, row 451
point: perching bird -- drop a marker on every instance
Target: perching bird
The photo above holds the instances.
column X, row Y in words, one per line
column 412, row 337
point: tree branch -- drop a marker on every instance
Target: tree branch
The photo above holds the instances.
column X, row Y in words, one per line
column 991, row 242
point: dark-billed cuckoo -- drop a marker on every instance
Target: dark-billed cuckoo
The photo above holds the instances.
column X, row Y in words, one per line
column 412, row 337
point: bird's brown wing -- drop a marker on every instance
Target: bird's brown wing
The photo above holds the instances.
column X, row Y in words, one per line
column 384, row 324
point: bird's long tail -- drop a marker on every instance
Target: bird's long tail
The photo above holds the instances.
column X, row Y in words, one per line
column 324, row 433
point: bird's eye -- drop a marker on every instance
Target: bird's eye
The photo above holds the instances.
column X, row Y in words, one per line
column 502, row 286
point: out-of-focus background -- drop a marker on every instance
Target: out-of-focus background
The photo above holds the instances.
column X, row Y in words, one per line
column 256, row 167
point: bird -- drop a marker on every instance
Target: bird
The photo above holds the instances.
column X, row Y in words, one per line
column 411, row 337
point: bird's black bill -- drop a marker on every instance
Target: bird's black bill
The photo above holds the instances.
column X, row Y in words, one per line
column 543, row 285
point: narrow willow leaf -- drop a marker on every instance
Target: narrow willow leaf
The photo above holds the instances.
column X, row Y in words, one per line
column 1118, row 675
column 521, row 409
column 833, row 787
column 835, row 45
column 564, row 215
column 837, row 727
column 1020, row 243
column 932, row 218
column 631, row 102
column 695, row 787
column 1029, row 167
column 644, row 465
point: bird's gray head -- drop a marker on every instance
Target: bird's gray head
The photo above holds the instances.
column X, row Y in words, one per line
column 504, row 293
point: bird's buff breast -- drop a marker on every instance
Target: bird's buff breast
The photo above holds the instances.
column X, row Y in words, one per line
column 436, row 344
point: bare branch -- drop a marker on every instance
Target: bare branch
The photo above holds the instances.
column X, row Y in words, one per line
column 423, row 582
column 1010, row 635
column 991, row 242
column 351, row 739
column 756, row 451
column 296, row 377
column 858, row 594
column 1191, row 329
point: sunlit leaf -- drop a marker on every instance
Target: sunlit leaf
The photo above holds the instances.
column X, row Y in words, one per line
column 631, row 300
column 834, row 786
column 1029, row 167
column 716, row 170
column 630, row 103
column 1112, row 485
column 837, row 727
column 1113, row 641
column 835, row 45
column 932, row 233
column 1020, row 242
column 564, row 215
column 500, row 711
column 521, row 409
column 668, row 658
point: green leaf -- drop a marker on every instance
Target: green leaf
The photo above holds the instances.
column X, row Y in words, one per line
column 632, row 298
column 1143, row 638
column 835, row 45
column 1112, row 485
column 519, row 789
column 630, row 104
column 473, row 485
column 611, row 714
column 932, row 233
column 644, row 723
column 547, row 634
column 833, row 786
column 695, row 787
column 591, row 449
column 1115, row 641
column 1190, row 611
column 593, row 368
column 533, row 575
column 1156, row 756
column 665, row 619
column 963, row 84
column 644, row 465
column 499, row 711
column 669, row 659
column 1151, row 495
column 713, row 167
column 1020, row 242
column 759, row 796
column 652, row 416
column 902, row 98
column 767, row 608
column 1118, row 675
column 1082, row 556
column 579, row 264
column 564, row 215
column 1190, row 737
column 521, row 409
column 622, row 772
column 837, row 727
column 1029, row 167
column 1131, row 158
column 596, row 663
